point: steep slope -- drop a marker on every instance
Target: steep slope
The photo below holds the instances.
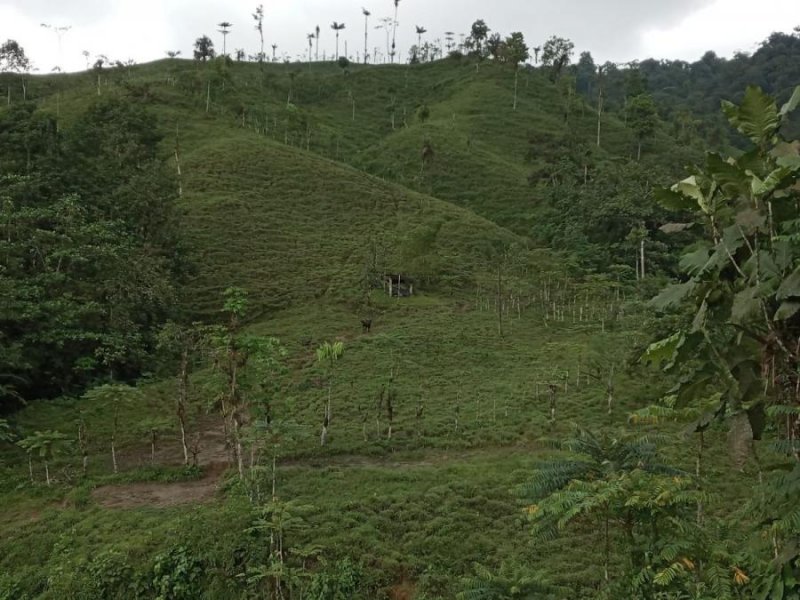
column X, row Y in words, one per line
column 483, row 150
column 289, row 225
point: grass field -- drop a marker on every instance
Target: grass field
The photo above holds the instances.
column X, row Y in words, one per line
column 295, row 201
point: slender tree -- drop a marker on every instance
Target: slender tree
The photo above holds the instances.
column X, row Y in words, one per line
column 224, row 29
column 643, row 118
column 394, row 31
column 183, row 343
column 337, row 27
column 328, row 354
column 316, row 55
column 515, row 52
column 420, row 32
column 113, row 397
column 13, row 59
column 479, row 35
column 258, row 17
column 310, row 38
column 366, row 34
column 46, row 444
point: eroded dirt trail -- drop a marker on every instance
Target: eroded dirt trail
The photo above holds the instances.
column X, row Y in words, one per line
column 161, row 495
column 214, row 460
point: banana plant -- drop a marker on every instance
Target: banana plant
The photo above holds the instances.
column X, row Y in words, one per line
column 741, row 280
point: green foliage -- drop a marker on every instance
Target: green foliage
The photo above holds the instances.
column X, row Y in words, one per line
column 177, row 575
column 289, row 226
column 556, row 54
column 13, row 58
column 643, row 116
column 6, row 435
column 45, row 444
column 742, row 283
column 204, row 49
column 339, row 581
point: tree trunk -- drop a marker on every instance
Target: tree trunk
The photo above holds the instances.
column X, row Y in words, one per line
column 113, row 443
column 641, row 252
column 30, row 467
column 599, row 114
column 323, row 437
column 607, row 549
column 153, row 447
column 183, row 392
column 516, row 85
column 237, row 427
column 208, row 97
column 47, row 472
column 698, row 472
column 499, row 305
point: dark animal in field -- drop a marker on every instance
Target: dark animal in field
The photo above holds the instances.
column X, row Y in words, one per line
column 366, row 325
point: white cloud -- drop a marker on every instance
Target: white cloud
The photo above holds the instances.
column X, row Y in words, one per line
column 618, row 30
column 726, row 26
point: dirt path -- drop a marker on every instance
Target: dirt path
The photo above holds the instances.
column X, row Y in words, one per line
column 212, row 456
column 165, row 495
column 161, row 495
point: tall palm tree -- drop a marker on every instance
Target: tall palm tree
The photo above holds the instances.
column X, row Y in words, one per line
column 366, row 33
column 274, row 48
column 337, row 27
column 316, row 56
column 386, row 25
column 310, row 37
column 394, row 29
column 420, row 32
column 224, row 29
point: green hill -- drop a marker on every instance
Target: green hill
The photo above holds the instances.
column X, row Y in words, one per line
column 305, row 186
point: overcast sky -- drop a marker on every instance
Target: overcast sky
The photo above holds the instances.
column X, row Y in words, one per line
column 617, row 30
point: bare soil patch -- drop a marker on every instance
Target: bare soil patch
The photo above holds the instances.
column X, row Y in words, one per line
column 161, row 495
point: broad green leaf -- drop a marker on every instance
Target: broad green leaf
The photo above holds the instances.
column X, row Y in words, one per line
column 790, row 288
column 693, row 263
column 746, row 304
column 732, row 179
column 690, row 188
column 792, row 104
column 699, row 322
column 757, row 117
column 773, row 181
column 664, row 350
column 761, row 268
column 670, row 228
column 673, row 295
column 673, row 200
column 787, row 310
column 782, row 254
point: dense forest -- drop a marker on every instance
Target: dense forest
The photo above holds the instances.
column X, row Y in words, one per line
column 488, row 323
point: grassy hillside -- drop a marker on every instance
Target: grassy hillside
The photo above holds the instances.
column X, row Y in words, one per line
column 483, row 149
column 288, row 195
